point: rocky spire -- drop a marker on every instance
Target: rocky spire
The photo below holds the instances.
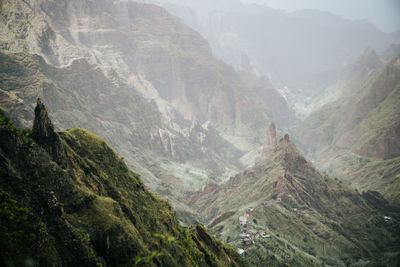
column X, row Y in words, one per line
column 271, row 139
column 43, row 132
column 43, row 129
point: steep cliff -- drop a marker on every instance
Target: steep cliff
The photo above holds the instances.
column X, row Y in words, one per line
column 150, row 49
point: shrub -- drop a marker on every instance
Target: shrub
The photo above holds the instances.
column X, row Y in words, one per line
column 22, row 239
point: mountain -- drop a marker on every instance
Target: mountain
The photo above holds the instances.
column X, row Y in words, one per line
column 151, row 50
column 283, row 211
column 356, row 136
column 139, row 78
column 68, row 199
column 302, row 50
column 84, row 95
column 351, row 80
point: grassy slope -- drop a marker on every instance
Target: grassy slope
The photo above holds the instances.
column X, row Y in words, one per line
column 96, row 209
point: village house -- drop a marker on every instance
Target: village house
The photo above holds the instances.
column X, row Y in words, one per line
column 387, row 218
column 243, row 219
column 241, row 252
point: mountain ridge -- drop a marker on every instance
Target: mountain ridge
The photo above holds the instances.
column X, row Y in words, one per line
column 290, row 204
column 91, row 209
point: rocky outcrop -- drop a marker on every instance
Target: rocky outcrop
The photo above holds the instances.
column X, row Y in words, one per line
column 271, row 140
column 43, row 129
column 43, row 132
column 285, row 139
column 205, row 135
column 198, row 134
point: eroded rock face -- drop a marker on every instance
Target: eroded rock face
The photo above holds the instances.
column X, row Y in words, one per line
column 204, row 135
column 144, row 44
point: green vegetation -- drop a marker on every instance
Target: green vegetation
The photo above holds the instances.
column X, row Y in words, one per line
column 23, row 133
column 90, row 209
column 23, row 240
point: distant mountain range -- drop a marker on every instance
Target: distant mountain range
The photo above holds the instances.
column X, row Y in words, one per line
column 303, row 50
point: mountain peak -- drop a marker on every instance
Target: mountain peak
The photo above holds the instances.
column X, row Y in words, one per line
column 271, row 141
column 285, row 139
column 291, row 158
column 369, row 59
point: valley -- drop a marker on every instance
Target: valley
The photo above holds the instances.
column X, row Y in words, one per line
column 234, row 135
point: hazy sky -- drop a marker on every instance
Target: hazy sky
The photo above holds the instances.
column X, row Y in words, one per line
column 385, row 14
